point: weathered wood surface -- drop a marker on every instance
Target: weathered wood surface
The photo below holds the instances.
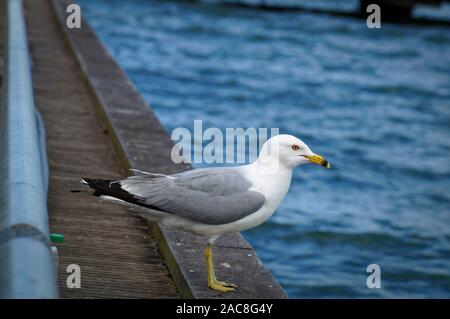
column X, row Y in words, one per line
column 144, row 144
column 2, row 42
column 117, row 255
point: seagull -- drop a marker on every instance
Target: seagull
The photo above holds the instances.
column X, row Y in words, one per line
column 214, row 201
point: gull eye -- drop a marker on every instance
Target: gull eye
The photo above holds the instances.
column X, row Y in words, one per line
column 295, row 147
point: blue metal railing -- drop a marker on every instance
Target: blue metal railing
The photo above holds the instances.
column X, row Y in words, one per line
column 26, row 265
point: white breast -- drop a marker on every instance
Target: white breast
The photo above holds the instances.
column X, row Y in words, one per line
column 274, row 186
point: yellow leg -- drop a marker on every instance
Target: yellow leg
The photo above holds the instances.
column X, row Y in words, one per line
column 212, row 280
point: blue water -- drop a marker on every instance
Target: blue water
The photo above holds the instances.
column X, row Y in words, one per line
column 376, row 103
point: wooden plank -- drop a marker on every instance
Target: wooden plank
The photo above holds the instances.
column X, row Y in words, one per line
column 2, row 41
column 117, row 255
column 144, row 144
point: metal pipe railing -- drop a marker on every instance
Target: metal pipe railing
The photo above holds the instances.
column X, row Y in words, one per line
column 26, row 265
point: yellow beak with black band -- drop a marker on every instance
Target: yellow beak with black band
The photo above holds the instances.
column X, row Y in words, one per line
column 319, row 160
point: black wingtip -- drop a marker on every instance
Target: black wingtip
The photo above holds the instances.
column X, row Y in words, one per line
column 113, row 188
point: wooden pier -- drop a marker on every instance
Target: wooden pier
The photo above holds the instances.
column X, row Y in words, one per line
column 97, row 125
column 117, row 255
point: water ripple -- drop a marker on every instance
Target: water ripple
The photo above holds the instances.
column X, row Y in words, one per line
column 375, row 102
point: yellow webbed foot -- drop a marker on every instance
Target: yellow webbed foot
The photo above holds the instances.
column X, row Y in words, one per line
column 222, row 286
column 213, row 283
column 226, row 284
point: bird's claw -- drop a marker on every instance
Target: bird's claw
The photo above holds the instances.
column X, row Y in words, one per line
column 222, row 286
column 226, row 284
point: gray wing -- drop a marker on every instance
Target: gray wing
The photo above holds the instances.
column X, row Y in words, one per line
column 211, row 196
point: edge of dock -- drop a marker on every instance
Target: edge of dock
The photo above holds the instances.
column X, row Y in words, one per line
column 141, row 141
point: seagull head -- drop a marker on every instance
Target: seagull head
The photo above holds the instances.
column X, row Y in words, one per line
column 289, row 151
